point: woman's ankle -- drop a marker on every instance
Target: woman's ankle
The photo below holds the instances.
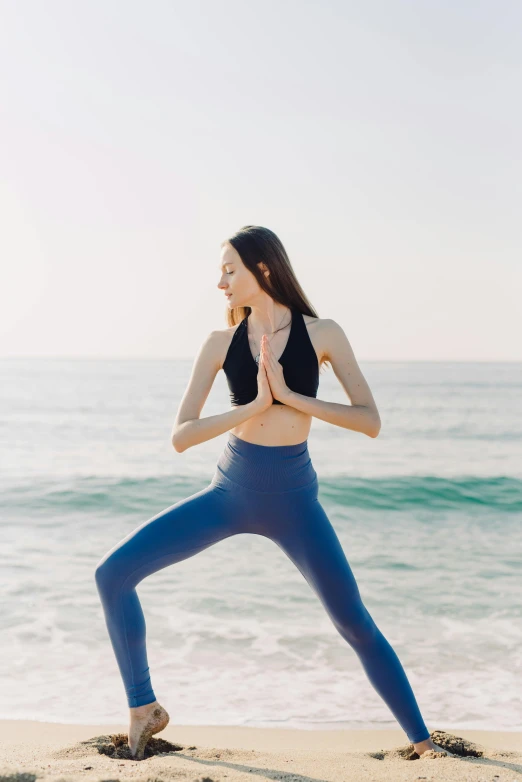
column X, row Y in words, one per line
column 137, row 710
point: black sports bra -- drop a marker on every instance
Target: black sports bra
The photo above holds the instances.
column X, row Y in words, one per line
column 299, row 362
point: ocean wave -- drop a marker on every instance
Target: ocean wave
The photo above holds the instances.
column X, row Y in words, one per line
column 129, row 494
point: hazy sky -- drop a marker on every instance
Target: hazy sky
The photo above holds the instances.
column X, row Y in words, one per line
column 380, row 140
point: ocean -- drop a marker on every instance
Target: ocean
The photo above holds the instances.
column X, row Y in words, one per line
column 429, row 515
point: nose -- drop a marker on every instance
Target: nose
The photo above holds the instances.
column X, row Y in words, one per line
column 221, row 284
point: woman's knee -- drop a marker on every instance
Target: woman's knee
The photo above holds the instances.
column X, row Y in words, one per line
column 109, row 573
column 356, row 625
column 103, row 575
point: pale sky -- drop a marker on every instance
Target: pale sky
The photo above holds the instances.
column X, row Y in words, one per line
column 380, row 140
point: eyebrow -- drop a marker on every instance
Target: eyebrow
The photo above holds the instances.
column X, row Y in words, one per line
column 226, row 263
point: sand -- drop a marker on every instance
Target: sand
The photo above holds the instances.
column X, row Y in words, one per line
column 31, row 750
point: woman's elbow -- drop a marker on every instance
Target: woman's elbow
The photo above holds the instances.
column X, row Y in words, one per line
column 375, row 428
column 177, row 446
column 176, row 441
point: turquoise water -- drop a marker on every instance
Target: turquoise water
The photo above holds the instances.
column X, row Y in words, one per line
column 429, row 515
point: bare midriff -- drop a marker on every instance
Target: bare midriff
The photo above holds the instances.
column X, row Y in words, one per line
column 277, row 425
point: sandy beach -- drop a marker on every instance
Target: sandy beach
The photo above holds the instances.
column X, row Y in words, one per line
column 33, row 750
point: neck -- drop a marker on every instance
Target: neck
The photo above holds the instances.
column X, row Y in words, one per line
column 267, row 318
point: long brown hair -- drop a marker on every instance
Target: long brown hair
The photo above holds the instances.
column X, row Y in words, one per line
column 255, row 244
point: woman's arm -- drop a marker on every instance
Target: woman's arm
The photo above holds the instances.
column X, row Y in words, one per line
column 362, row 415
column 360, row 418
column 189, row 429
column 198, row 430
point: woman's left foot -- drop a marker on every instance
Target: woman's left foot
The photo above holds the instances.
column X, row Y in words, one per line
column 429, row 746
column 145, row 722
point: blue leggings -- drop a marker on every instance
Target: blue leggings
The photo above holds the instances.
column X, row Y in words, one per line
column 264, row 490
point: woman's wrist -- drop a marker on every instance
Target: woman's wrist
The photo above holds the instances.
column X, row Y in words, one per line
column 258, row 406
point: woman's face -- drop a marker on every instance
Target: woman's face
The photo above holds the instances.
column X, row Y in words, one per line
column 236, row 281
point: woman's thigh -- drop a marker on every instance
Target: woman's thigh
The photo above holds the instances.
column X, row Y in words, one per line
column 176, row 533
column 306, row 535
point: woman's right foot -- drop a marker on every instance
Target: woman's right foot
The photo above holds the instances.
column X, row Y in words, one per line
column 145, row 721
column 428, row 745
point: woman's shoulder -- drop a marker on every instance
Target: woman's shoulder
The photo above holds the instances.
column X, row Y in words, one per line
column 318, row 331
column 318, row 325
column 222, row 339
column 224, row 335
column 325, row 334
column 311, row 319
column 323, row 324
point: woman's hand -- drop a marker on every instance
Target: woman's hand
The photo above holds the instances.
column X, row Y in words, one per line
column 264, row 397
column 274, row 371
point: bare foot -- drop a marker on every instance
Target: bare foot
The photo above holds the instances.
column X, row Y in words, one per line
column 429, row 745
column 145, row 721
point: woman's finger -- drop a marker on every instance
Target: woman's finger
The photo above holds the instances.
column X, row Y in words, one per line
column 270, row 355
column 273, row 362
column 269, row 367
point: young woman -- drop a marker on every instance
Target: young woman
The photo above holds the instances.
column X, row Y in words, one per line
column 264, row 481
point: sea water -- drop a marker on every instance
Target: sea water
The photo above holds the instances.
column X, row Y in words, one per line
column 429, row 515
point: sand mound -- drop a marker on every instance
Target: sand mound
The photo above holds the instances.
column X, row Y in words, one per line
column 115, row 745
column 455, row 744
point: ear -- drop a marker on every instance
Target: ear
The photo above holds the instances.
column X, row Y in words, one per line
column 264, row 268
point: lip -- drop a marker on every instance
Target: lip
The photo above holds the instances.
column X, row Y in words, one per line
column 228, row 295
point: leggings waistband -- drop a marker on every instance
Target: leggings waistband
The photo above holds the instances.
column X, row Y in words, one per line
column 266, row 468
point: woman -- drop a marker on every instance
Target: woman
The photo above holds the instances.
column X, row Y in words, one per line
column 264, row 481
